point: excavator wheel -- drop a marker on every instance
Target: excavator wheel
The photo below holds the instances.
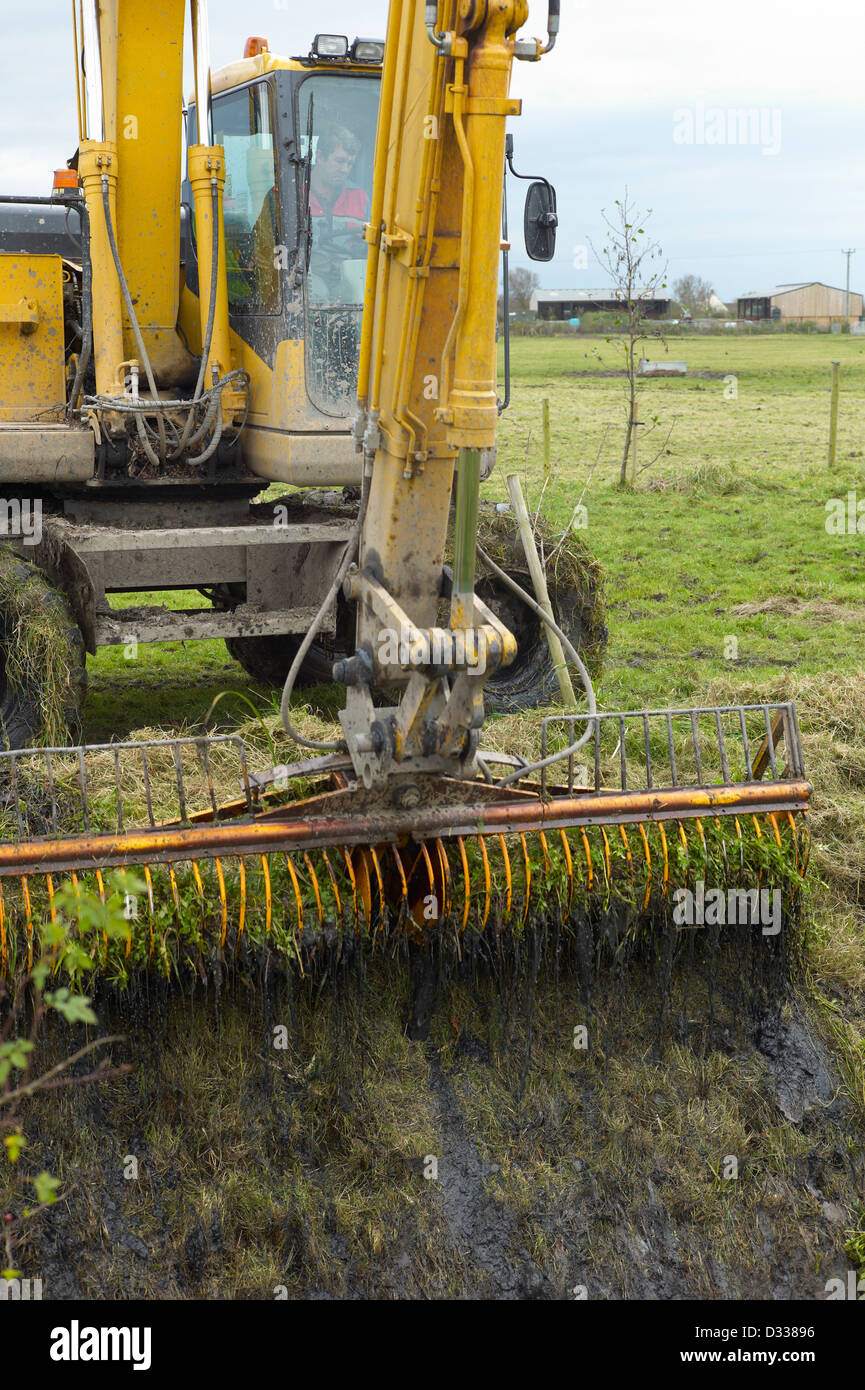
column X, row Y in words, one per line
column 268, row 659
column 43, row 677
column 576, row 586
column 531, row 680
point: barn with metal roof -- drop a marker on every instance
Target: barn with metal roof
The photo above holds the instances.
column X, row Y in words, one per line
column 571, row 304
column 801, row 301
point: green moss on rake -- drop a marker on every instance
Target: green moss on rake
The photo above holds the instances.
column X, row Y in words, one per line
column 482, row 894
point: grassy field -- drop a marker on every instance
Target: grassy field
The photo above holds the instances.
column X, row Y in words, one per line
column 729, row 518
column 307, row 1170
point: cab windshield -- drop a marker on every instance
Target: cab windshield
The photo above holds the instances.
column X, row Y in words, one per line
column 336, row 123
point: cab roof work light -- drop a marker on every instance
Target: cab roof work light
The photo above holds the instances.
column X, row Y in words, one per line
column 367, row 51
column 329, row 46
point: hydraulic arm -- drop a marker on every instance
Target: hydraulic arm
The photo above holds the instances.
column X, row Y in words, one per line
column 427, row 400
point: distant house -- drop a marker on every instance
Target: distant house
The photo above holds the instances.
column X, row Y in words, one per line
column 572, row 304
column 806, row 300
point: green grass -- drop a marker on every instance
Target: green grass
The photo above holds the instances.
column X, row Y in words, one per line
column 750, row 526
column 170, row 685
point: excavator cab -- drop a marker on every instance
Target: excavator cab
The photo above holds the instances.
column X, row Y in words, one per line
column 299, row 143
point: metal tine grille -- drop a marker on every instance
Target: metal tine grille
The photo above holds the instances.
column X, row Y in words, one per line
column 639, row 750
column 107, row 788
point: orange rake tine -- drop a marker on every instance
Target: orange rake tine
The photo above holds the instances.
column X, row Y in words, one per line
column 292, row 873
column 666, row 853
column 199, row 888
column 570, row 867
column 403, row 884
column 299, row 902
column 268, row 898
column 149, row 885
column 101, row 887
column 174, row 893
column 241, row 919
column 424, row 854
column 487, row 881
column 759, row 835
column 332, row 877
column 308, row 862
column 685, row 846
column 588, row 853
column 723, row 847
column 446, row 878
column 607, row 863
column 220, row 878
column 52, row 916
column 628, row 860
column 545, row 848
column 648, row 853
column 508, row 881
column 791, row 821
column 353, row 881
column 698, row 821
column 466, row 880
column 28, row 912
column 528, row 869
column 741, row 846
column 375, row 864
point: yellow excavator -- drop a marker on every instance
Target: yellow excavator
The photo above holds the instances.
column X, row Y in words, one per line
column 333, row 260
column 180, row 326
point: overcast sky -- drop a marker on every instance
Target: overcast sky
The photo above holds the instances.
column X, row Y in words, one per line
column 648, row 96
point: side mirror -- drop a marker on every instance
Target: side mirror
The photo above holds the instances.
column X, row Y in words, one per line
column 541, row 221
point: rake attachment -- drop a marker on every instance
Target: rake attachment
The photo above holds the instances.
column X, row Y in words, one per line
column 667, row 802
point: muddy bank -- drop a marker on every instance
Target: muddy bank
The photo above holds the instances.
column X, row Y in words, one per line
column 274, row 1144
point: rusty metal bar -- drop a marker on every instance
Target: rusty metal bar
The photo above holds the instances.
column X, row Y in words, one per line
column 278, row 830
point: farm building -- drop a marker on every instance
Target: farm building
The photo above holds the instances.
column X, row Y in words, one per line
column 808, row 300
column 571, row 304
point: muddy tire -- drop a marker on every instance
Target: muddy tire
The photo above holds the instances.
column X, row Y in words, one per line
column 41, row 696
column 530, row 680
column 268, row 659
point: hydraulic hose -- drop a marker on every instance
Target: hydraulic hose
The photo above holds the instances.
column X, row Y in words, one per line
column 185, row 440
column 130, row 309
column 300, row 655
column 570, row 651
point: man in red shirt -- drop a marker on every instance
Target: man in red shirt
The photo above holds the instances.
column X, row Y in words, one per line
column 335, row 156
column 338, row 212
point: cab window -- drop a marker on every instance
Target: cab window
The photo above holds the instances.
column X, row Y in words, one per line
column 243, row 124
